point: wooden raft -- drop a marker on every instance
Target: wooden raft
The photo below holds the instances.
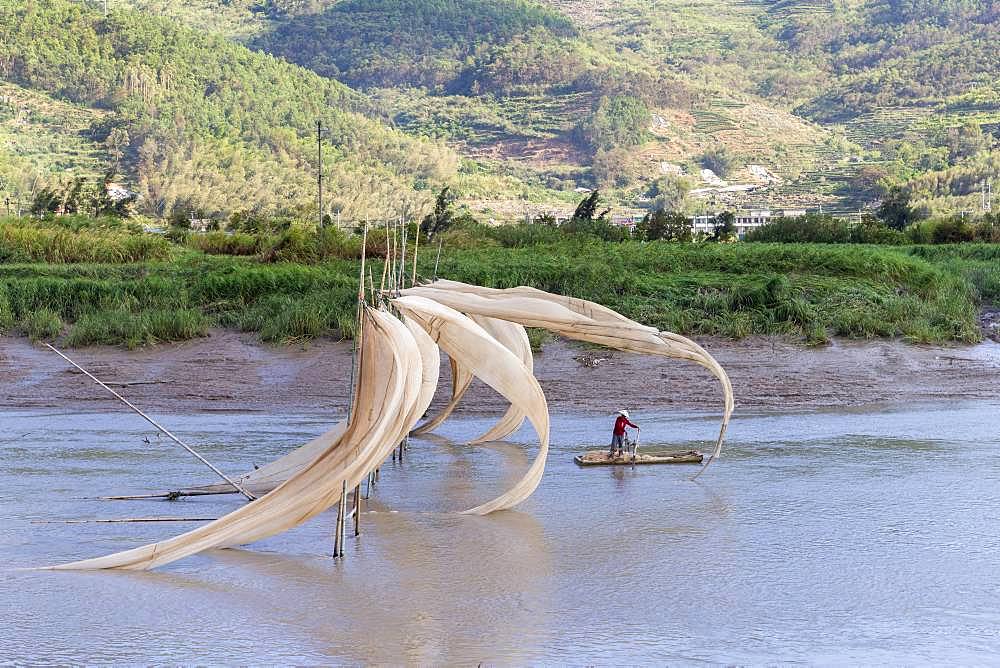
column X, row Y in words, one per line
column 601, row 458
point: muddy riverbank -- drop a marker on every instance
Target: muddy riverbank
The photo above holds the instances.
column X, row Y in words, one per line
column 229, row 371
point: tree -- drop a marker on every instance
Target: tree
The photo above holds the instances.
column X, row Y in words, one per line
column 670, row 193
column 895, row 210
column 72, row 198
column 725, row 228
column 668, row 226
column 621, row 120
column 103, row 204
column 116, row 143
column 443, row 216
column 871, row 181
column 615, row 168
column 586, row 209
column 46, row 201
column 719, row 160
column 966, row 141
column 586, row 220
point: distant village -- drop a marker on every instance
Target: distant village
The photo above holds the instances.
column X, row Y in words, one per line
column 703, row 223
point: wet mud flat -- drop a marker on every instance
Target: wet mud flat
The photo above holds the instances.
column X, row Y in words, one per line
column 228, row 371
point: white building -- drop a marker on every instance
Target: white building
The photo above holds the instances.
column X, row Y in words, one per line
column 745, row 220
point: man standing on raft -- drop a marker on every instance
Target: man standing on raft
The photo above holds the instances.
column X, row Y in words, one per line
column 618, row 436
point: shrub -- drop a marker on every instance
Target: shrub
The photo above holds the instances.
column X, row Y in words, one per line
column 335, row 243
column 530, row 234
column 952, row 231
column 719, row 160
column 825, row 229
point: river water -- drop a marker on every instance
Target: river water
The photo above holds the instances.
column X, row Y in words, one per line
column 823, row 537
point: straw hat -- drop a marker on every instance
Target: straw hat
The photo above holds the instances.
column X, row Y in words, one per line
column 624, row 413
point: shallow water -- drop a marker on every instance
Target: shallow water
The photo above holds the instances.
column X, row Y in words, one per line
column 865, row 536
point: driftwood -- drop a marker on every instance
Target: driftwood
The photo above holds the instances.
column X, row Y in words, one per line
column 602, row 458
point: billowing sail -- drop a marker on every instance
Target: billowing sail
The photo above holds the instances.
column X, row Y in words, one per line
column 514, row 337
column 474, row 348
column 577, row 319
column 266, row 478
column 388, row 391
column 461, row 379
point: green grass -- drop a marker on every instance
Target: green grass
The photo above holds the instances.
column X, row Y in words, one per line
column 807, row 291
column 135, row 329
column 144, row 303
column 42, row 325
column 298, row 286
column 54, row 245
column 979, row 264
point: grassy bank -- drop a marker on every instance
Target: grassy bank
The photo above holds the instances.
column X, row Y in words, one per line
column 122, row 288
column 735, row 290
column 979, row 264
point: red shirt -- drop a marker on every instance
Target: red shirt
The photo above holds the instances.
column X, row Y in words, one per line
column 621, row 423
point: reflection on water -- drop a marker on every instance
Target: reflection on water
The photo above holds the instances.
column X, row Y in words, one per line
column 830, row 537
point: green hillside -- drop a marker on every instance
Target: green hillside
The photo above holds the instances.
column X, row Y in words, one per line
column 515, row 103
column 884, row 53
column 203, row 123
column 43, row 141
column 453, row 45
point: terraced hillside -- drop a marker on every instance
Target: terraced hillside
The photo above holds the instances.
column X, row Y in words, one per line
column 44, row 140
column 204, row 124
column 832, row 101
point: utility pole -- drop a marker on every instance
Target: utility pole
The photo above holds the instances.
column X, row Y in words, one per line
column 319, row 169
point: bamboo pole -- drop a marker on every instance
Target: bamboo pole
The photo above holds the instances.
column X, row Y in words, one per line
column 170, row 496
column 357, row 323
column 402, row 257
column 392, row 270
column 364, row 253
column 125, row 520
column 357, row 510
column 437, row 260
column 153, row 422
column 338, row 539
column 416, row 247
column 385, row 265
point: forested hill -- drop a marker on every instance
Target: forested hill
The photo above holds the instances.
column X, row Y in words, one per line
column 437, row 44
column 889, row 53
column 513, row 103
column 202, row 123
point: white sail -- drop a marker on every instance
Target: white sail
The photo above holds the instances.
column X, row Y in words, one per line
column 474, row 348
column 388, row 389
column 578, row 319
